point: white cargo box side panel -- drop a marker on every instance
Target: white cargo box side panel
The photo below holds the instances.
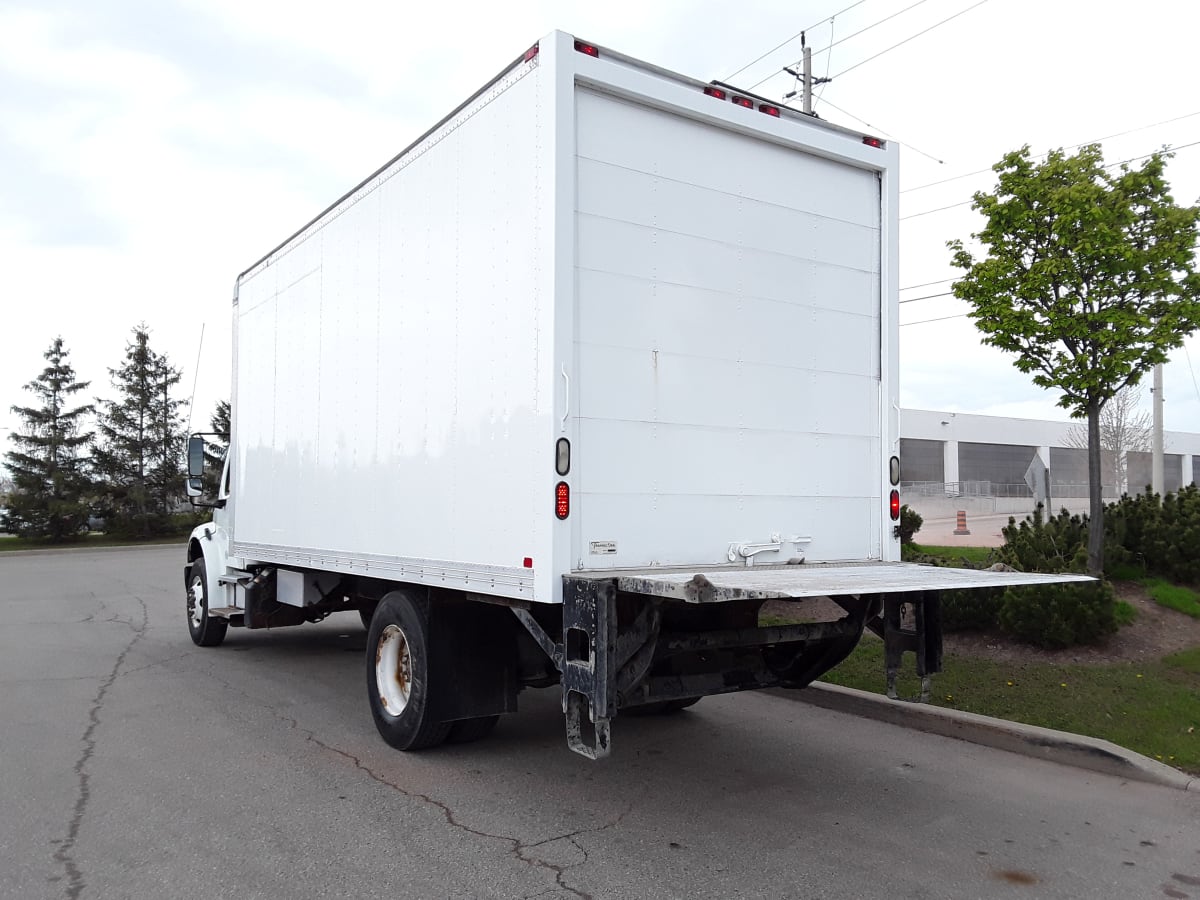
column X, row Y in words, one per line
column 728, row 344
column 391, row 412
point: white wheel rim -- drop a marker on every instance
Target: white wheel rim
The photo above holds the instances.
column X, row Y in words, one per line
column 196, row 600
column 393, row 670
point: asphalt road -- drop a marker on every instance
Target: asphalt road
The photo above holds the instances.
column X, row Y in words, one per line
column 133, row 764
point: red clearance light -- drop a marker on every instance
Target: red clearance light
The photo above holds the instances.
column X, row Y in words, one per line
column 562, row 500
column 531, row 53
column 586, row 49
column 894, row 505
column 528, row 562
column 769, row 109
column 715, row 92
column 744, row 101
column 873, row 142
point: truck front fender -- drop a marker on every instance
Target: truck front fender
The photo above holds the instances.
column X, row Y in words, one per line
column 208, row 542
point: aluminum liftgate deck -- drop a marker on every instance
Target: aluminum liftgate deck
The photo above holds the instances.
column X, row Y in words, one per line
column 639, row 637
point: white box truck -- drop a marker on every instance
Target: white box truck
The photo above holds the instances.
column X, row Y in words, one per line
column 563, row 393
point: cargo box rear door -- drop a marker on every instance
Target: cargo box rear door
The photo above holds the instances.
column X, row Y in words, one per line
column 727, row 345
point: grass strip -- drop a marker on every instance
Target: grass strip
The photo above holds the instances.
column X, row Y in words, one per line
column 952, row 555
column 85, row 542
column 1173, row 596
column 1152, row 708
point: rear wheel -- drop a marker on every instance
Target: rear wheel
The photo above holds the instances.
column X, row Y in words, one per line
column 398, row 686
column 206, row 630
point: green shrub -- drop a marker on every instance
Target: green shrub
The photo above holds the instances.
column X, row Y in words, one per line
column 1059, row 615
column 910, row 524
column 1159, row 534
column 1143, row 535
column 970, row 610
column 1057, row 544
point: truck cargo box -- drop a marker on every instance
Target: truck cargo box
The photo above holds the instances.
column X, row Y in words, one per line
column 697, row 295
column 563, row 394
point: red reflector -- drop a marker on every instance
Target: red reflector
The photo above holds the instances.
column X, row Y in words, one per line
column 587, row 49
column 895, row 505
column 528, row 563
column 769, row 109
column 744, row 101
column 873, row 142
column 562, row 500
column 531, row 53
column 715, row 92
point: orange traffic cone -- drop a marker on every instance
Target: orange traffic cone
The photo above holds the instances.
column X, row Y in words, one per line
column 962, row 523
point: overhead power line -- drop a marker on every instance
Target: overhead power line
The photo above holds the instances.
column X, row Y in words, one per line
column 1123, row 162
column 913, row 287
column 929, row 212
column 833, row 44
column 792, row 38
column 1071, row 147
column 868, row 28
column 911, row 38
column 1193, row 371
column 929, row 296
column 884, row 132
column 938, row 319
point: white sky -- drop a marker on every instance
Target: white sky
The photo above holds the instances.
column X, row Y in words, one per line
column 152, row 149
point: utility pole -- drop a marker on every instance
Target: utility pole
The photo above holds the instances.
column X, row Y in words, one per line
column 805, row 77
column 1156, row 444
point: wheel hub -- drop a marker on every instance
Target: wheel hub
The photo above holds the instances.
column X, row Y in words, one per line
column 195, row 601
column 393, row 670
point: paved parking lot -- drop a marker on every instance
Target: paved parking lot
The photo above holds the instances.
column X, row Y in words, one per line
column 133, row 764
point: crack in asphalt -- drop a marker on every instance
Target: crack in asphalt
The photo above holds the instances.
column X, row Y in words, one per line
column 160, row 662
column 516, row 847
column 64, row 855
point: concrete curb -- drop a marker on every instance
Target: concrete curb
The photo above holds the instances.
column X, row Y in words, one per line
column 1029, row 740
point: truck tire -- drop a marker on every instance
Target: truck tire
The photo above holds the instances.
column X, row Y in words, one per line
column 206, row 630
column 466, row 730
column 397, row 673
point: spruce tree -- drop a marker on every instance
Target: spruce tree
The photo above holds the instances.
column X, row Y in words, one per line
column 215, row 448
column 141, row 440
column 50, row 484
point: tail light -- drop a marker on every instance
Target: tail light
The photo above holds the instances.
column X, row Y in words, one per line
column 562, row 500
column 893, row 506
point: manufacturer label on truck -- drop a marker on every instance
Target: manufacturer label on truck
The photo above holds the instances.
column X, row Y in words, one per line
column 603, row 547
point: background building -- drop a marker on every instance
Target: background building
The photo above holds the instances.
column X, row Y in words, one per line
column 952, row 461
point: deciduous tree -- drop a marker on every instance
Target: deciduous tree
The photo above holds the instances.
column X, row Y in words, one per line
column 1088, row 278
column 1124, row 427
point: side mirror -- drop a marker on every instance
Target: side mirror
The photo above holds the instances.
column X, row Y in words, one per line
column 195, row 487
column 195, row 454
